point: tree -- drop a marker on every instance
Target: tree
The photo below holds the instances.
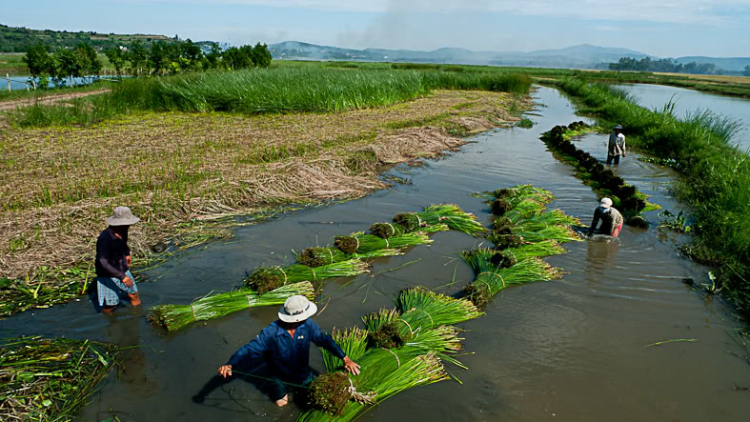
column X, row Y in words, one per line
column 117, row 57
column 157, row 58
column 261, row 56
column 747, row 71
column 39, row 61
column 213, row 58
column 66, row 65
column 88, row 61
column 138, row 57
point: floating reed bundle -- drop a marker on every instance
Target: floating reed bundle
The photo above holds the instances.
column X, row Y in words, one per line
column 50, row 379
column 269, row 278
column 449, row 214
column 175, row 317
column 318, row 257
column 491, row 278
column 361, row 243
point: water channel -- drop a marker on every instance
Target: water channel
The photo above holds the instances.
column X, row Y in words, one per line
column 568, row 350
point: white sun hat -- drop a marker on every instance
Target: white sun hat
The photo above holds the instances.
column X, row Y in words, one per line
column 606, row 203
column 122, row 216
column 297, row 308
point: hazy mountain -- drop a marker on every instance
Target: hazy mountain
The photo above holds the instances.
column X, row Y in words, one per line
column 582, row 56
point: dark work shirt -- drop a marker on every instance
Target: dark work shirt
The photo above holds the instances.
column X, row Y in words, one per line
column 287, row 357
column 110, row 255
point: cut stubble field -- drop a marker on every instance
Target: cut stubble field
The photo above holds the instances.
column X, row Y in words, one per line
column 189, row 176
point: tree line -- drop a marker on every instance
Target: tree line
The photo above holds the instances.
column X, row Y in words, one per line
column 139, row 59
column 646, row 64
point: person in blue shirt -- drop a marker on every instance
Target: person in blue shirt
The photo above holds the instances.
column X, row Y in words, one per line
column 285, row 346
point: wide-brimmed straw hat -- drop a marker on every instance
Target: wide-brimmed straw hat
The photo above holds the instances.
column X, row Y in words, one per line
column 297, row 308
column 618, row 127
column 606, row 203
column 122, row 216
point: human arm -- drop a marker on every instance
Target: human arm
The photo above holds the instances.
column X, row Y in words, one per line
column 321, row 339
column 254, row 350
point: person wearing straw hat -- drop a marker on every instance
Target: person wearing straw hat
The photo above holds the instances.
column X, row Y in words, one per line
column 616, row 146
column 611, row 219
column 113, row 261
column 285, row 346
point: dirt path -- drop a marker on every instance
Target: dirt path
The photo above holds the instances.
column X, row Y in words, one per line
column 49, row 99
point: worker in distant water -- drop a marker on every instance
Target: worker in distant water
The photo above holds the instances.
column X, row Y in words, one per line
column 611, row 219
column 616, row 146
column 113, row 261
column 285, row 346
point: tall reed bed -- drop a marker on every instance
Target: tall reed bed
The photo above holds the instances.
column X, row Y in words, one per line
column 49, row 380
column 275, row 90
column 716, row 175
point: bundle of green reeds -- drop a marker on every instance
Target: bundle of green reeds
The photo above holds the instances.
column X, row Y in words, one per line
column 175, row 317
column 535, row 250
column 384, row 373
column 318, row 257
column 492, row 278
column 50, row 379
column 361, row 243
column 450, row 214
column 266, row 279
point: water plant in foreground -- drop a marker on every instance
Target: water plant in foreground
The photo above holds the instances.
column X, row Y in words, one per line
column 212, row 306
column 265, row 279
column 50, row 379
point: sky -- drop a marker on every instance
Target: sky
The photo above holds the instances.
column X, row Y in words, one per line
column 662, row 28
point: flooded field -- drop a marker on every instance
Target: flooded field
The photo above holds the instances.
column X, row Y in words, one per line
column 691, row 101
column 572, row 350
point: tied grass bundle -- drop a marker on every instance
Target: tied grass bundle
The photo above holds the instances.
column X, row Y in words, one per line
column 387, row 230
column 175, row 317
column 536, row 250
column 318, row 257
column 383, row 331
column 386, row 373
column 50, row 379
column 524, row 192
column 365, row 243
column 491, row 279
column 352, row 341
column 449, row 214
column 330, row 392
column 266, row 279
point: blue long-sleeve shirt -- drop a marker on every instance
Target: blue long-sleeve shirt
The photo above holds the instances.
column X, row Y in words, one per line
column 287, row 357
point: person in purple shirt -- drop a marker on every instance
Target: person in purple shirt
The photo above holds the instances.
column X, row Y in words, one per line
column 113, row 261
column 285, row 347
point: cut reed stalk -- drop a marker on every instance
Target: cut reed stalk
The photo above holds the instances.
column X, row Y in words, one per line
column 50, row 379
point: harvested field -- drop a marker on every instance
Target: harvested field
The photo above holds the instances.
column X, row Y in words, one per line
column 189, row 175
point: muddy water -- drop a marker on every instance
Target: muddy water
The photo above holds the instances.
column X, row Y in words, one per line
column 570, row 350
column 690, row 101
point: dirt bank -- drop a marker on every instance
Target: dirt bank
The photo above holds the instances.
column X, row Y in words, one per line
column 189, row 175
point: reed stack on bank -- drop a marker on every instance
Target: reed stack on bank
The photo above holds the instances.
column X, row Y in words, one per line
column 715, row 175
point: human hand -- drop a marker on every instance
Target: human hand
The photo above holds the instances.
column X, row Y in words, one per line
column 225, row 371
column 127, row 281
column 351, row 366
column 129, row 260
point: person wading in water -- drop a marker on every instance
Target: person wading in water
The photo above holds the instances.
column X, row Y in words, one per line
column 285, row 346
column 113, row 261
column 616, row 146
column 611, row 219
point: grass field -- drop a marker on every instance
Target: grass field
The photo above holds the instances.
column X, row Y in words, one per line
column 261, row 91
column 188, row 175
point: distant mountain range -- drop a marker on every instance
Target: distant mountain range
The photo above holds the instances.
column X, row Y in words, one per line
column 577, row 57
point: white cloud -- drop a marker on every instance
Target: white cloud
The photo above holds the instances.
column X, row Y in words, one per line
column 663, row 11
